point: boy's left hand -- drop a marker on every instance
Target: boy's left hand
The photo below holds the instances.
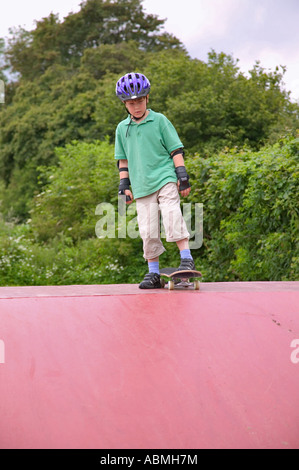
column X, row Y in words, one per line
column 183, row 180
column 185, row 192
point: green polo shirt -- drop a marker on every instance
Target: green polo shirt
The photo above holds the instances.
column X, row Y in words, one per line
column 147, row 146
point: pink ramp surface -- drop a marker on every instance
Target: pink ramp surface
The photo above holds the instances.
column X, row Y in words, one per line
column 114, row 367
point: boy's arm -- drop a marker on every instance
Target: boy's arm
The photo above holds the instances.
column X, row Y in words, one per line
column 124, row 184
column 123, row 168
column 183, row 178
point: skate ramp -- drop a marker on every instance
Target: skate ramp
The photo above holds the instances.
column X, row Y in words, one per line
column 114, row 367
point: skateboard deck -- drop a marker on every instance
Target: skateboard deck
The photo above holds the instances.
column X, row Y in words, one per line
column 181, row 279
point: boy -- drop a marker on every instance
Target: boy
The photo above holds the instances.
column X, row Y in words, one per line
column 151, row 158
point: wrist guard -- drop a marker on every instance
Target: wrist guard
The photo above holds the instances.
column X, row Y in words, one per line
column 183, row 178
column 123, row 185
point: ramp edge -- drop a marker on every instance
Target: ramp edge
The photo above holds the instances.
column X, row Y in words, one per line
column 11, row 292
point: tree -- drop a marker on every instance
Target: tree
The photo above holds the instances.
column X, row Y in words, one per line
column 98, row 22
column 66, row 92
column 112, row 58
column 2, row 47
column 214, row 105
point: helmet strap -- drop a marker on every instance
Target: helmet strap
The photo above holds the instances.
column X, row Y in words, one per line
column 135, row 119
column 138, row 118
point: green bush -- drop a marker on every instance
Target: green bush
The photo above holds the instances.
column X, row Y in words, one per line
column 250, row 202
column 25, row 262
column 85, row 176
column 250, row 213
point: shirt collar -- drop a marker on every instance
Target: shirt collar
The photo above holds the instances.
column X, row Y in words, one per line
column 150, row 117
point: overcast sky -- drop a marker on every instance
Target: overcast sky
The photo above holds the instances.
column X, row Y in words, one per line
column 250, row 30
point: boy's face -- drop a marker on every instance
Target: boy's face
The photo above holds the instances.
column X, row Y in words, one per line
column 137, row 107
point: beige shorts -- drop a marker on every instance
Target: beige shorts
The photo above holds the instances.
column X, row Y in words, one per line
column 165, row 202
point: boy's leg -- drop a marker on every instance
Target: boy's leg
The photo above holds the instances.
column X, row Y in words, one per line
column 153, row 265
column 185, row 252
column 152, row 279
column 148, row 216
column 183, row 244
column 186, row 257
column 174, row 223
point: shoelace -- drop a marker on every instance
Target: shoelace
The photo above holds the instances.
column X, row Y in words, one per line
column 186, row 263
column 152, row 277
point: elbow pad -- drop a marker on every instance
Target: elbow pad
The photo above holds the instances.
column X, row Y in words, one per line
column 177, row 152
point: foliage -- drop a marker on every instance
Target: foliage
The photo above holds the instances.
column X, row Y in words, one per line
column 250, row 212
column 60, row 106
column 66, row 91
column 251, row 220
column 60, row 262
column 213, row 105
column 57, row 131
column 98, row 22
column 85, row 176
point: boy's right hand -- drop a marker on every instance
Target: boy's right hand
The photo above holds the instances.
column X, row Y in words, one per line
column 124, row 189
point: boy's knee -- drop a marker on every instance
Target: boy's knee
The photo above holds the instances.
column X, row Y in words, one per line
column 152, row 248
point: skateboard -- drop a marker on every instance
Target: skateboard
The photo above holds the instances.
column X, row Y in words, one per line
column 181, row 279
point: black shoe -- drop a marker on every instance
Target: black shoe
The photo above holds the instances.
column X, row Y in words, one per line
column 186, row 264
column 151, row 281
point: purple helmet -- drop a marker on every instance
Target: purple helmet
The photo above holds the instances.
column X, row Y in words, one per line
column 132, row 86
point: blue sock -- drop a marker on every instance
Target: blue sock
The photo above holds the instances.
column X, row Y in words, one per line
column 153, row 267
column 186, row 254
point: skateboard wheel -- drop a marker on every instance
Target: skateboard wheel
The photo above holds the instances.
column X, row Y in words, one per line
column 196, row 284
column 170, row 285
